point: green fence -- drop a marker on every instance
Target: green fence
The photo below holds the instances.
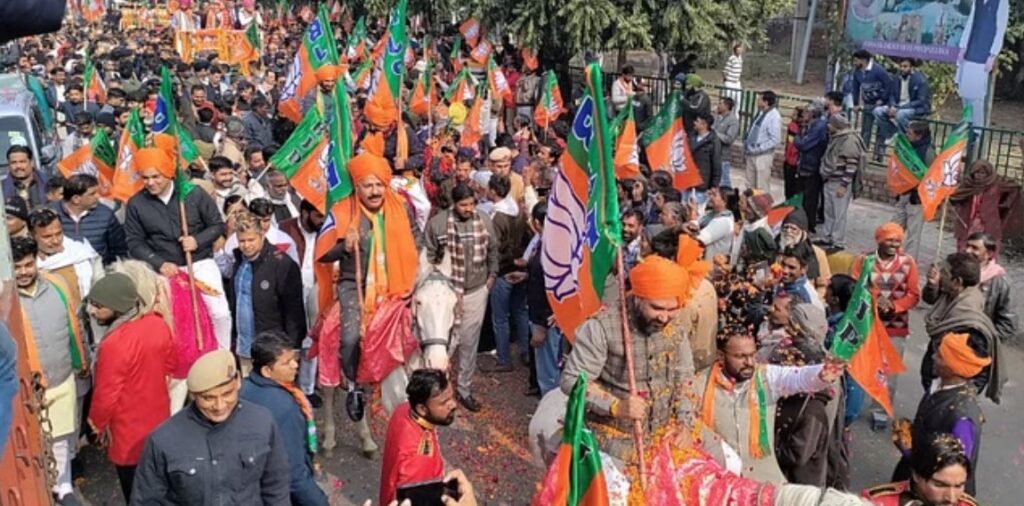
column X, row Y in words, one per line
column 997, row 145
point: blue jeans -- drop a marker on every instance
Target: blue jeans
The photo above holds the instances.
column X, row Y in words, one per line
column 508, row 309
column 886, row 125
column 854, row 400
column 726, row 181
column 547, row 358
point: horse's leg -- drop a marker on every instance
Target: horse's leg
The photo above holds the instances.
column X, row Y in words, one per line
column 327, row 411
column 369, row 446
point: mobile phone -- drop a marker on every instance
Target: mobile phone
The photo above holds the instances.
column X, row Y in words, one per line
column 428, row 493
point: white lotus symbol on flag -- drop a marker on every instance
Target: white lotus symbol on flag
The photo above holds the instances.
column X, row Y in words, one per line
column 951, row 170
column 564, row 238
column 291, row 85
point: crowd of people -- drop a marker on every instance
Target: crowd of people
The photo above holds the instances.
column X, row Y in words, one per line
column 192, row 334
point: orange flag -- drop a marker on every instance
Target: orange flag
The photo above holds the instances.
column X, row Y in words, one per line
column 668, row 147
column 944, row 173
column 83, row 162
column 470, row 30
column 627, row 153
column 126, row 180
column 482, row 52
column 473, row 128
column 529, row 59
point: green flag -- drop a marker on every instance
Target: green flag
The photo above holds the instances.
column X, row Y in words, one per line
column 394, row 53
column 44, row 108
column 300, row 144
column 165, row 122
column 358, row 35
column 252, row 34
column 102, row 149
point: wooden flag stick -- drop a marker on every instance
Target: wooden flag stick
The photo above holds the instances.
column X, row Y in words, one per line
column 942, row 230
column 627, row 344
column 191, row 276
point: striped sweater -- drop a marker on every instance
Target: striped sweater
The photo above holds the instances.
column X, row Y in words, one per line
column 898, row 281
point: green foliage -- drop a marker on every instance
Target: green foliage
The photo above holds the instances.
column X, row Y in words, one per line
column 632, row 31
column 585, row 22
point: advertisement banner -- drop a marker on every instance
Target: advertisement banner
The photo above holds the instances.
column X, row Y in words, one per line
column 927, row 30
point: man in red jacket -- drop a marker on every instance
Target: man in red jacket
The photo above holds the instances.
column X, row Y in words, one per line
column 411, row 450
column 135, row 358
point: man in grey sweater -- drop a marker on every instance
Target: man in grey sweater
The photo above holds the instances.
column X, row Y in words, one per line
column 467, row 237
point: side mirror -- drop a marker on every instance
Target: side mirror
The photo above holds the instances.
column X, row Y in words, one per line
column 48, row 154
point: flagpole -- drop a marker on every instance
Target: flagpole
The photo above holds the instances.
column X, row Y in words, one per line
column 191, row 276
column 627, row 344
column 942, row 230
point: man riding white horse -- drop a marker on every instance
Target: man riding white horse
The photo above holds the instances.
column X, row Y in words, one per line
column 378, row 259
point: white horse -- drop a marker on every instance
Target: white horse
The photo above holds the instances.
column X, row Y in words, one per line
column 434, row 305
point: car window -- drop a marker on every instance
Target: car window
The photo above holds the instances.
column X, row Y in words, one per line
column 13, row 131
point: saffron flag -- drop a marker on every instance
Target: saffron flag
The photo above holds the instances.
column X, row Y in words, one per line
column 667, row 146
column 780, row 211
column 470, row 30
column 95, row 88
column 575, row 477
column 361, row 79
column 550, row 106
column 529, row 59
column 627, row 153
column 313, row 53
column 473, row 128
column 461, row 88
column 944, row 173
column 424, row 95
column 583, row 229
column 83, row 161
column 861, row 340
column 92, row 10
column 906, row 169
column 302, row 159
column 126, row 180
column 496, row 79
column 482, row 51
column 357, row 40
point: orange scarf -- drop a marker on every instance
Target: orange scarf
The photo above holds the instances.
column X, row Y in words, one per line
column 756, row 405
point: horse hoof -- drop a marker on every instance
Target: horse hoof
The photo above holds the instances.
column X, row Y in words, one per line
column 328, row 452
column 369, row 454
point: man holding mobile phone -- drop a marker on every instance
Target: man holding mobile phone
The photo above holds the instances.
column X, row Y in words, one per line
column 412, row 452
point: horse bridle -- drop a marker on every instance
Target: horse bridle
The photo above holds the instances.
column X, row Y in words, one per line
column 434, row 276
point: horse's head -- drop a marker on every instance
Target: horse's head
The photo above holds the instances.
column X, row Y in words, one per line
column 435, row 302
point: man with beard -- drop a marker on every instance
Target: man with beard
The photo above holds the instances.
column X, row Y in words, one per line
column 303, row 230
column 660, row 290
column 958, row 306
column 794, row 280
column 23, row 180
column 467, row 237
column 794, row 236
column 739, row 398
column 632, row 227
column 894, row 281
column 134, row 360
column 412, row 452
column 995, row 285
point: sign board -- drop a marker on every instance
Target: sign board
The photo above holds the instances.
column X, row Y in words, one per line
column 926, row 30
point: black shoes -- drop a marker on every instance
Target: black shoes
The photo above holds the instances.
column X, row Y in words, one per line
column 355, row 405
column 469, row 403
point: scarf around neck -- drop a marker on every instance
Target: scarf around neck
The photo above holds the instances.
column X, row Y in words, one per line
column 757, row 405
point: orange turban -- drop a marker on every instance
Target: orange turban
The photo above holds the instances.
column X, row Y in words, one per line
column 960, row 357
column 889, row 231
column 328, row 73
column 381, row 110
column 154, row 158
column 368, row 164
column 660, row 278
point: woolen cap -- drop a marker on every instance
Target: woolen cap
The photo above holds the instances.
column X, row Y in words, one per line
column 211, row 371
column 114, row 291
column 16, row 207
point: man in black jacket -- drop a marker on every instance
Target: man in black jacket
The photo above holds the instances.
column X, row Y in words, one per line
column 153, row 231
column 83, row 218
column 267, row 290
column 706, row 149
column 216, row 450
column 995, row 285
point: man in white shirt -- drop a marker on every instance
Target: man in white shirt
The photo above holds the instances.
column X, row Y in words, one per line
column 715, row 227
column 764, row 136
column 622, row 88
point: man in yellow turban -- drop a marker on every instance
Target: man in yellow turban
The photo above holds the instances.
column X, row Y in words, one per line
column 153, row 231
column 662, row 358
column 950, row 406
column 375, row 232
